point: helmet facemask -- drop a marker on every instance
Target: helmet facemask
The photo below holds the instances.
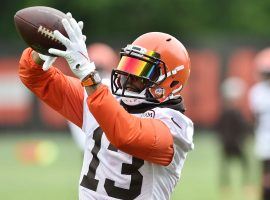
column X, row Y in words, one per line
column 137, row 72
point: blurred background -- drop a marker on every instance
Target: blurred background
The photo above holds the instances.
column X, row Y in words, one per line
column 38, row 158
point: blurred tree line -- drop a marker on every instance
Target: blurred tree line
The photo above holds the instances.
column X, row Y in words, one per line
column 118, row 22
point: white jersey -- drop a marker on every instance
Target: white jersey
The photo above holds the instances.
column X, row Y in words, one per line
column 260, row 105
column 76, row 132
column 109, row 173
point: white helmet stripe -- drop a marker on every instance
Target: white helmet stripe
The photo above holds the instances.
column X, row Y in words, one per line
column 173, row 72
column 177, row 89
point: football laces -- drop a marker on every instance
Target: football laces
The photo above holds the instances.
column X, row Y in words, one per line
column 47, row 33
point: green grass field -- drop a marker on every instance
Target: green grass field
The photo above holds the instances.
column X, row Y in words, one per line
column 59, row 180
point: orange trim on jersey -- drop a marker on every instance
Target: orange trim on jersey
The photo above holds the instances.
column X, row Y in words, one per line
column 145, row 138
column 63, row 93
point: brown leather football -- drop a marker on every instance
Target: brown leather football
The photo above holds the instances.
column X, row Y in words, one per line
column 36, row 25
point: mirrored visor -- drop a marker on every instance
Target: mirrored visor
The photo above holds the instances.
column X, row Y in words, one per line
column 140, row 68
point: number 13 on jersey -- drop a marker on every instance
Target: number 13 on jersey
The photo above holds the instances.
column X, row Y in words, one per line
column 132, row 169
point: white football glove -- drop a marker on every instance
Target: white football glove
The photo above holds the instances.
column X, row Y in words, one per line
column 76, row 53
column 49, row 60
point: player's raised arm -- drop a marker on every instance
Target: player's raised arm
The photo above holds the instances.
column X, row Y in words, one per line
column 64, row 94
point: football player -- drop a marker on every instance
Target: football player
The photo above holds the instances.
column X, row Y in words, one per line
column 135, row 147
column 260, row 106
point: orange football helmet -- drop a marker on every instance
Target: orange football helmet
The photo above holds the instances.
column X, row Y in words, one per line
column 159, row 61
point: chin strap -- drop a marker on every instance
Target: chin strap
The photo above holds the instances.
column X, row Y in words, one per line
column 133, row 101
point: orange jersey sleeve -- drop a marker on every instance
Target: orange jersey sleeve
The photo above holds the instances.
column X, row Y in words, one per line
column 145, row 138
column 63, row 93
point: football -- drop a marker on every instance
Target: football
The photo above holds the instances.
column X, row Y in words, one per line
column 36, row 25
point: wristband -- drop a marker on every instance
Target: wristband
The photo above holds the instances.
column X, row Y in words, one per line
column 92, row 79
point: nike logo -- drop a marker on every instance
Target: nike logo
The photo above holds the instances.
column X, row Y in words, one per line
column 83, row 55
column 176, row 123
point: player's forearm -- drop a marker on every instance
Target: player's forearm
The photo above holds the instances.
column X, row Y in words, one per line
column 32, row 75
column 148, row 139
column 63, row 94
column 31, row 72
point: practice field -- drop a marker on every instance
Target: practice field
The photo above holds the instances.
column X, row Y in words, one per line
column 28, row 173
